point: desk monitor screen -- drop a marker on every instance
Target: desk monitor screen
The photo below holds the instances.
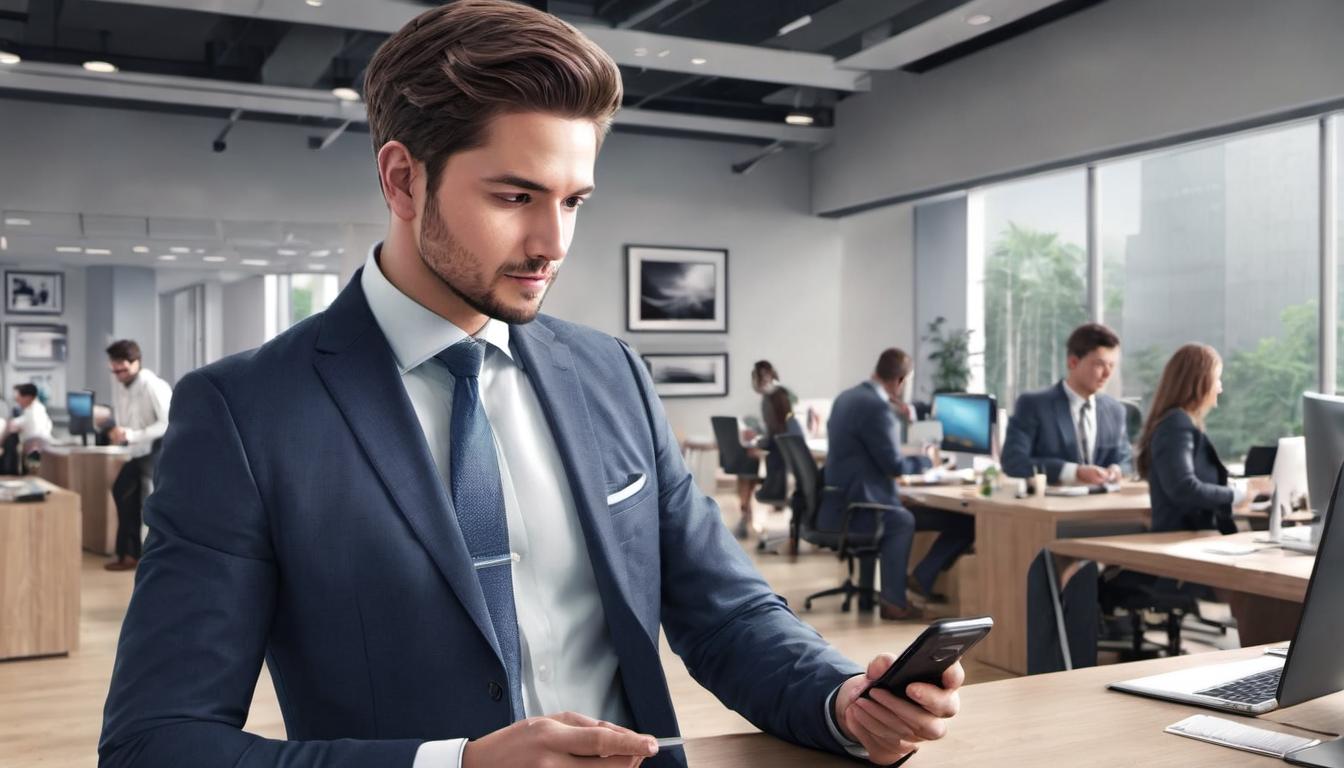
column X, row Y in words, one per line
column 968, row 422
column 1323, row 428
column 79, row 404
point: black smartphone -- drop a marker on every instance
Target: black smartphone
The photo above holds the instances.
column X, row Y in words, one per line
column 938, row 647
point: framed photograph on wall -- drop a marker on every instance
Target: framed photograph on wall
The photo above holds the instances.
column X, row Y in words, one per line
column 35, row 344
column 693, row 375
column 676, row 290
column 34, row 293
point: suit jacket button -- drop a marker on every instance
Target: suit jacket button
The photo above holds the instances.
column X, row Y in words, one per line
column 496, row 691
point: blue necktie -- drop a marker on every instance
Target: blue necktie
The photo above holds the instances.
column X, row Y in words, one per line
column 479, row 501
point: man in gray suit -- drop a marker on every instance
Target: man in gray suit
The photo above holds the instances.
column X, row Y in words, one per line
column 1073, row 432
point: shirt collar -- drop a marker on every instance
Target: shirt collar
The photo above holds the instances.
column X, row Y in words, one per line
column 1076, row 400
column 414, row 332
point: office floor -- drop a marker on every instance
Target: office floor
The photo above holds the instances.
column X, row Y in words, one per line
column 51, row 709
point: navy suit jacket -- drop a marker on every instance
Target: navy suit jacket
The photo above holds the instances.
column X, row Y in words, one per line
column 863, row 454
column 298, row 517
column 1041, row 434
column 1187, row 482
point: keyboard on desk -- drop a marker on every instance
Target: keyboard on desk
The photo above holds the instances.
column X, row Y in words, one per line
column 1252, row 689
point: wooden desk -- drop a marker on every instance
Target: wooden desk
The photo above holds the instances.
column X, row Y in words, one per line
column 1009, row 534
column 89, row 471
column 1066, row 719
column 1266, row 588
column 39, row 575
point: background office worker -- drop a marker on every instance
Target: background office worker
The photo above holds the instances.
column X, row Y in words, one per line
column 1187, row 482
column 1073, row 431
column 347, row 501
column 863, row 459
column 140, row 404
column 27, row 431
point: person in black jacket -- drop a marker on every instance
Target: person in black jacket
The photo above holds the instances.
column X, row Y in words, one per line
column 1187, row 482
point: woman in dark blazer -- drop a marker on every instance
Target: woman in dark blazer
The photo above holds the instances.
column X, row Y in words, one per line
column 1187, row 482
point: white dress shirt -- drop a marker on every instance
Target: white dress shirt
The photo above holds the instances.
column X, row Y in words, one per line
column 141, row 409
column 1068, row 475
column 33, row 423
column 567, row 660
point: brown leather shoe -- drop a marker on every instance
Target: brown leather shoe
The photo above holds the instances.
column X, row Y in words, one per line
column 894, row 612
column 912, row 585
column 122, row 564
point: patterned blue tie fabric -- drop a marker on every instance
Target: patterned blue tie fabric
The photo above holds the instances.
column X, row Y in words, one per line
column 479, row 500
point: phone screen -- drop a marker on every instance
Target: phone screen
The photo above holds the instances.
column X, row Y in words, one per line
column 940, row 646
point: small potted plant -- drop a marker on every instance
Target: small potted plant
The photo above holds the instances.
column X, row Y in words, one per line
column 950, row 354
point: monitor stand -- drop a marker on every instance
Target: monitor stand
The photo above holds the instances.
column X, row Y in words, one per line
column 1327, row 755
column 84, row 439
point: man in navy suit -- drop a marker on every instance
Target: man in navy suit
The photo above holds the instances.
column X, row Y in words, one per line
column 863, row 458
column 453, row 528
column 1073, row 432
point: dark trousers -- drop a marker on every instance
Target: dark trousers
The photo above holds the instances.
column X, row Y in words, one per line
column 128, row 491
column 11, row 463
column 898, row 534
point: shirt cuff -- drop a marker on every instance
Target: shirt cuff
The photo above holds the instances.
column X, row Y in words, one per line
column 854, row 748
column 1238, row 487
column 1068, row 475
column 132, row 435
column 440, row 754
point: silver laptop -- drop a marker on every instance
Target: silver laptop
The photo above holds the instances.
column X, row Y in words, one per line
column 1314, row 667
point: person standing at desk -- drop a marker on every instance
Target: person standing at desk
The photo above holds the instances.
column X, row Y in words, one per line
column 862, row 462
column 140, row 403
column 1187, row 482
column 452, row 527
column 29, row 429
column 1073, row 431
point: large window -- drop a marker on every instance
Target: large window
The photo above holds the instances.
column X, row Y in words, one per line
column 1028, row 246
column 1218, row 243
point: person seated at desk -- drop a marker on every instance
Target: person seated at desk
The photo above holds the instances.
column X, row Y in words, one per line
column 26, row 431
column 1187, row 482
column 863, row 460
column 776, row 415
column 1072, row 431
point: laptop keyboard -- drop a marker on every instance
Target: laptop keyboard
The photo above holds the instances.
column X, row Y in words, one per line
column 1252, row 689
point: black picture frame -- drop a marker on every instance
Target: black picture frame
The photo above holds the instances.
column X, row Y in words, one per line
column 676, row 289
column 29, row 292
column 693, row 374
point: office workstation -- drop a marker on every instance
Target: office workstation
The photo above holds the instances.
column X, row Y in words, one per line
column 861, row 321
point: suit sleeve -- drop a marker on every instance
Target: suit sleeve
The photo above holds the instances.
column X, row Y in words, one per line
column 1174, row 463
column 737, row 638
column 1023, row 427
column 881, row 437
column 195, row 634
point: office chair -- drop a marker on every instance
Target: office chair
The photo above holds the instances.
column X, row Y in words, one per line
column 1133, row 417
column 733, row 457
column 806, row 502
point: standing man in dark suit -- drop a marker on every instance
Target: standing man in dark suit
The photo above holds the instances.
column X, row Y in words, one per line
column 1072, row 431
column 863, row 459
column 451, row 527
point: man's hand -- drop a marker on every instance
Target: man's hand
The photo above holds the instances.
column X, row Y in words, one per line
column 1090, row 475
column 559, row 741
column 116, row 436
column 888, row 726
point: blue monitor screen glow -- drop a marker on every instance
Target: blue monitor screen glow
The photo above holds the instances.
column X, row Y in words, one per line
column 968, row 422
column 79, row 404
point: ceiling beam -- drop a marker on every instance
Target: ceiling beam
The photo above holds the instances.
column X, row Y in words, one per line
column 303, row 56
column 942, row 32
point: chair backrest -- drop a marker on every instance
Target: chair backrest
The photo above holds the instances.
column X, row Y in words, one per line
column 727, row 435
column 806, row 477
column 1133, row 419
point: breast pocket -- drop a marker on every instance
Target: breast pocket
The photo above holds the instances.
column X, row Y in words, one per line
column 633, row 506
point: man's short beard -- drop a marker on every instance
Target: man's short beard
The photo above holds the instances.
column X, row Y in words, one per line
column 452, row 262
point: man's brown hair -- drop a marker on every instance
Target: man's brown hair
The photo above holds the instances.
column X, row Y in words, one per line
column 1090, row 336
column 436, row 84
column 124, row 350
column 894, row 364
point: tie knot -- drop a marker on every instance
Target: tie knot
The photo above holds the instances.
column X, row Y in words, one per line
column 464, row 358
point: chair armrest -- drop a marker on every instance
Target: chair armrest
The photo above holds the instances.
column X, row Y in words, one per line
column 868, row 507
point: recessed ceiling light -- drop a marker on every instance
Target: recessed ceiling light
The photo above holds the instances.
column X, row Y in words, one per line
column 664, row 53
column 286, row 252
column 979, row 20
column 317, row 267
column 340, row 250
column 641, row 51
column 180, row 249
column 322, row 254
column 214, row 259
column 97, row 252
column 167, row 257
column 314, row 3
column 140, row 249
column 698, row 60
column 9, row 58
column 199, row 251
column 345, row 93
column 69, row 249
column 101, row 67
column 799, row 118
column 4, row 243
column 795, row 25
column 17, row 222
column 254, row 262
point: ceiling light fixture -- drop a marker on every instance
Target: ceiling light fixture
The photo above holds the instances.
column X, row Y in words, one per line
column 9, row 58
column 255, row 262
column 167, row 257
column 4, row 243
column 641, row 51
column 318, row 267
column 799, row 118
column 664, row 53
column 180, row 249
column 979, row 20
column 17, row 222
column 101, row 67
column 214, row 259
column 69, row 249
column 698, row 60
column 795, row 25
column 345, row 93
column 286, row 252
column 322, row 254
column 97, row 252
column 141, row 249
column 314, row 3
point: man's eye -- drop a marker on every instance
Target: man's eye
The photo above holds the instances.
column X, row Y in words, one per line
column 574, row 202
column 521, row 197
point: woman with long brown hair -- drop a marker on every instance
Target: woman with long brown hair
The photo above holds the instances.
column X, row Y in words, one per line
column 1187, row 482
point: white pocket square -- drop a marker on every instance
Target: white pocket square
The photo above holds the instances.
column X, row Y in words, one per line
column 626, row 492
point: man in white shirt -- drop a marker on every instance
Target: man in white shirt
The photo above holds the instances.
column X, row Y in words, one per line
column 30, row 429
column 140, row 402
column 452, row 527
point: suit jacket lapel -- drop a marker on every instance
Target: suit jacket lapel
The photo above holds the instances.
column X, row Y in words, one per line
column 1064, row 417
column 361, row 374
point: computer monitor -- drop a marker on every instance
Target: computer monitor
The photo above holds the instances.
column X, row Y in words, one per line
column 79, row 404
column 1290, row 482
column 1323, row 428
column 968, row 422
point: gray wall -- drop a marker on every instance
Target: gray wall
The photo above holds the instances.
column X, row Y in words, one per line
column 124, row 305
column 876, row 273
column 940, row 276
column 243, row 310
column 1113, row 76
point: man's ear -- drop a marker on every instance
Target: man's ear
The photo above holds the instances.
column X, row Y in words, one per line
column 397, row 171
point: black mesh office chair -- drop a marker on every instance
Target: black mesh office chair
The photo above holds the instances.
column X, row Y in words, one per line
column 806, row 502
column 733, row 456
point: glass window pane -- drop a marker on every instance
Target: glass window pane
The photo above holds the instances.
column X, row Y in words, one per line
column 1217, row 243
column 310, row 294
column 1033, row 267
